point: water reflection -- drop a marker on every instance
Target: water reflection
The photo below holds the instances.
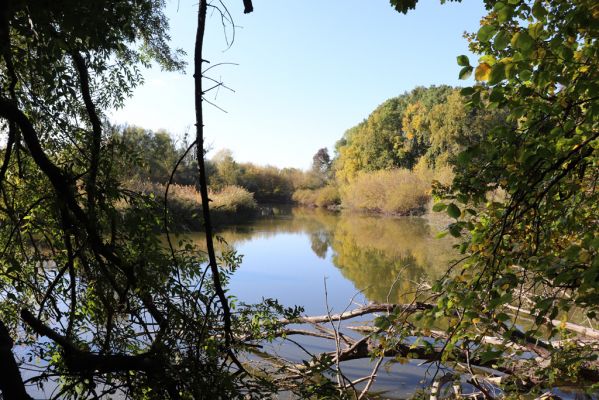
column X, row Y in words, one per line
column 383, row 257
column 377, row 253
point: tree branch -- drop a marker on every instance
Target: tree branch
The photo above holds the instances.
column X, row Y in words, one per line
column 202, row 172
column 80, row 361
column 11, row 382
column 368, row 309
column 96, row 130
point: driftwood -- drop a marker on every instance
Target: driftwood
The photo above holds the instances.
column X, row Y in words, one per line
column 364, row 310
column 579, row 329
column 369, row 346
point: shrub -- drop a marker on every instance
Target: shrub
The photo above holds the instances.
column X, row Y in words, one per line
column 327, row 196
column 268, row 184
column 233, row 199
column 397, row 191
column 442, row 173
column 304, row 197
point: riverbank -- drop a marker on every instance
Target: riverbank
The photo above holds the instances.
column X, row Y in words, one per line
column 229, row 205
column 393, row 194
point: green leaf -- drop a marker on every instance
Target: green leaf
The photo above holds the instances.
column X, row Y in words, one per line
column 441, row 235
column 463, row 61
column 465, row 72
column 538, row 11
column 455, row 230
column 535, row 30
column 505, row 13
column 382, row 322
column 501, row 40
column 565, row 52
column 511, row 70
column 403, row 6
column 467, row 91
column 525, row 75
column 522, row 41
column 497, row 95
column 453, row 211
column 502, row 317
column 497, row 74
column 485, row 33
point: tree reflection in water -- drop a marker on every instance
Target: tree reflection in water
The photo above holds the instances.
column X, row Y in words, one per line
column 375, row 253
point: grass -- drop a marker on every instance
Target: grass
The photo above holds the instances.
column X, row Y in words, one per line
column 233, row 199
column 184, row 203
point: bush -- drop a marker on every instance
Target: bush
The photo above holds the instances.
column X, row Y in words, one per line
column 305, row 197
column 442, row 173
column 327, row 196
column 233, row 199
column 396, row 191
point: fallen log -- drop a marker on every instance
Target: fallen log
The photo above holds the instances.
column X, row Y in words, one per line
column 581, row 330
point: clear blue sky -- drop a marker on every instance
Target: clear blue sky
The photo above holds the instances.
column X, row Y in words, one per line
column 308, row 70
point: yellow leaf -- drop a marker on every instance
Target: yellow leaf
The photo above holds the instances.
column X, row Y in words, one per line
column 482, row 72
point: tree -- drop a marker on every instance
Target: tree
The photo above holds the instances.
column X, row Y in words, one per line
column 430, row 123
column 320, row 173
column 531, row 260
column 151, row 155
column 380, row 141
column 119, row 312
column 227, row 172
column 321, row 162
column 404, row 6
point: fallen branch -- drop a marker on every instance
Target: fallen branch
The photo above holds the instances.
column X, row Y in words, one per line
column 368, row 309
column 581, row 330
column 80, row 361
column 369, row 347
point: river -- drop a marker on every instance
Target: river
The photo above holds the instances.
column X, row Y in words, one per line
column 289, row 253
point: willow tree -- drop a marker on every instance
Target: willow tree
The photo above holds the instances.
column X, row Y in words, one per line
column 88, row 290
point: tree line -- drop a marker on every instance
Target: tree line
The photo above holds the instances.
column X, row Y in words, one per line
column 386, row 163
column 154, row 153
column 389, row 161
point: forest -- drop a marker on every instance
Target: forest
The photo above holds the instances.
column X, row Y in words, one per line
column 100, row 299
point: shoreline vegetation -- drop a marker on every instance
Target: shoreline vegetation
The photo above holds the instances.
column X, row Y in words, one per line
column 388, row 164
column 229, row 204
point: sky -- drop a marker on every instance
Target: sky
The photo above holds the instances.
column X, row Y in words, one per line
column 306, row 71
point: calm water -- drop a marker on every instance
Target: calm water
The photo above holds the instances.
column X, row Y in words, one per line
column 288, row 256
